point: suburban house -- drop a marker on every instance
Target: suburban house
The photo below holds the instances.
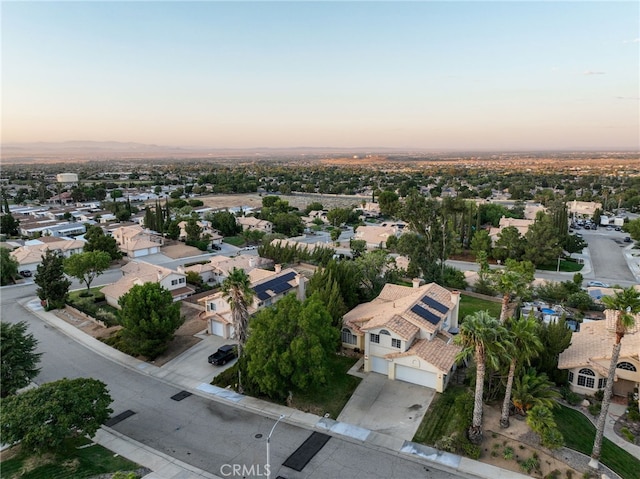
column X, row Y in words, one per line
column 134, row 241
column 376, row 236
column 268, row 286
column 522, row 225
column 204, row 270
column 30, row 255
column 206, row 229
column 582, row 209
column 139, row 272
column 406, row 333
column 223, row 265
column 253, row 223
column 587, row 358
column 531, row 210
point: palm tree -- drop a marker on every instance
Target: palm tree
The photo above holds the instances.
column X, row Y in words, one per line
column 480, row 337
column 533, row 389
column 621, row 312
column 236, row 289
column 514, row 279
column 523, row 344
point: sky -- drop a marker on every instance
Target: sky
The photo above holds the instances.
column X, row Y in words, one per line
column 504, row 75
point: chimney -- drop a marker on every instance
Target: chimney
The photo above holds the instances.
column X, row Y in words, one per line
column 159, row 275
column 252, row 262
column 416, row 282
column 278, row 268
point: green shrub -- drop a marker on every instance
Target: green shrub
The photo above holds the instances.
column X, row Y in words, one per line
column 508, row 453
column 471, row 450
column 447, row 443
column 570, row 396
column 628, row 435
column 107, row 317
column 555, row 474
column 530, row 465
column 594, row 409
column 552, row 438
column 599, row 395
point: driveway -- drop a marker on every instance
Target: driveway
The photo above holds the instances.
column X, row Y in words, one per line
column 390, row 407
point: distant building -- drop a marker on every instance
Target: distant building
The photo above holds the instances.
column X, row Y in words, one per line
column 67, row 178
column 582, row 209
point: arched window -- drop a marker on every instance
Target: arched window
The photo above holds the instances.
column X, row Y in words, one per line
column 348, row 337
column 384, row 331
column 627, row 366
column 586, row 378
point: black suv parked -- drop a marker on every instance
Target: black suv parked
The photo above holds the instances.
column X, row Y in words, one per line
column 223, row 355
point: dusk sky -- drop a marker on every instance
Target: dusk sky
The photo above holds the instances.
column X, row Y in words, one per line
column 434, row 75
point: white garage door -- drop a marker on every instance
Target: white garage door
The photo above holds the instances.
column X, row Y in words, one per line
column 416, row 376
column 217, row 329
column 379, row 365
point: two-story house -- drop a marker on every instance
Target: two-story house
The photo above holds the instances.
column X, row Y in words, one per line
column 139, row 273
column 135, row 242
column 268, row 287
column 406, row 333
column 29, row 256
column 253, row 223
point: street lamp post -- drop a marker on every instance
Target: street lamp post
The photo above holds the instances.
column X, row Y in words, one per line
column 268, row 442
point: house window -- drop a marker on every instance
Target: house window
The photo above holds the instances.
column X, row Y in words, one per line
column 374, row 338
column 181, row 280
column 348, row 337
column 570, row 376
column 396, row 343
column 174, row 282
column 626, row 366
column 602, row 383
column 211, row 306
column 384, row 331
column 586, row 378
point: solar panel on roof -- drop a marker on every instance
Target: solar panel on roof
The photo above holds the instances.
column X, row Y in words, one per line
column 277, row 285
column 262, row 295
column 429, row 301
column 281, row 287
column 423, row 313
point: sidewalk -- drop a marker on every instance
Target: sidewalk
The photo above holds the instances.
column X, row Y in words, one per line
column 166, row 467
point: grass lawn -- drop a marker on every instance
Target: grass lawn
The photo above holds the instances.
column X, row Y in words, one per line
column 70, row 462
column 565, row 266
column 579, row 433
column 329, row 398
column 437, row 422
column 234, row 240
column 469, row 305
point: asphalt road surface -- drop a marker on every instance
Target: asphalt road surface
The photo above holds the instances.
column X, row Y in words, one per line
column 607, row 258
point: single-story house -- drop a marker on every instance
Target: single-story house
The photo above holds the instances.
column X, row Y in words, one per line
column 588, row 357
column 376, row 236
column 406, row 333
column 223, row 265
column 522, row 225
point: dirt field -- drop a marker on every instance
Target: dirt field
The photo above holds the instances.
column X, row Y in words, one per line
column 254, row 200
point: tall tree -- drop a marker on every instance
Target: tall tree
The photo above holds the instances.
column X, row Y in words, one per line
column 236, row 289
column 87, row 266
column 513, row 279
column 149, row 319
column 193, row 230
column 389, row 203
column 18, row 359
column 53, row 285
column 290, row 346
column 96, row 240
column 542, row 245
column 510, row 244
column 8, row 225
column 622, row 310
column 8, row 267
column 522, row 344
column 480, row 337
column 42, row 418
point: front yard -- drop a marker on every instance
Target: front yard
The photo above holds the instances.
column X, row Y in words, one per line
column 512, row 448
column 77, row 459
column 329, row 398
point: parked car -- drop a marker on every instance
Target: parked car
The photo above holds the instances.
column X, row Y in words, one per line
column 627, row 239
column 26, row 273
column 618, row 228
column 597, row 284
column 223, row 355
